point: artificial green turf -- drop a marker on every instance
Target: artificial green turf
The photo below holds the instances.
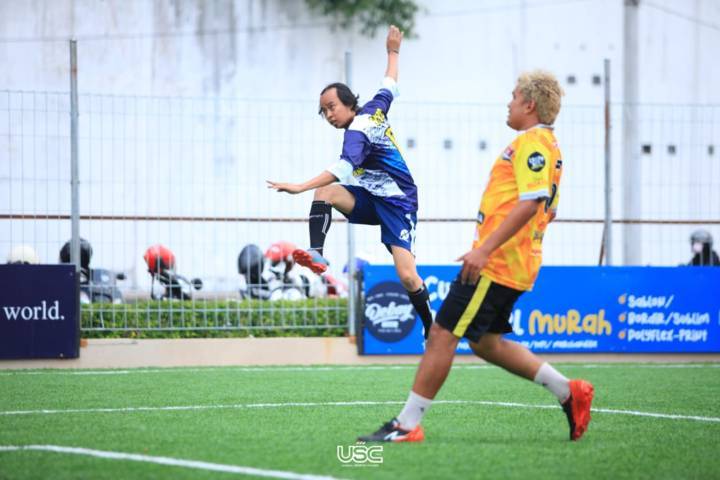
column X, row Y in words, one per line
column 463, row 441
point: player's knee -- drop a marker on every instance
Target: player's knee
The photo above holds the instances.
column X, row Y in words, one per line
column 487, row 347
column 441, row 338
column 477, row 350
column 324, row 194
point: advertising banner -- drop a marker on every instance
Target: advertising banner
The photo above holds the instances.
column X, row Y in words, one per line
column 39, row 315
column 570, row 309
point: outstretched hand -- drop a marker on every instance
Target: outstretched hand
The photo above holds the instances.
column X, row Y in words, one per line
column 292, row 188
column 473, row 263
column 394, row 38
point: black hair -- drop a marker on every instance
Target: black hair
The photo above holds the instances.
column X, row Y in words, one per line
column 346, row 96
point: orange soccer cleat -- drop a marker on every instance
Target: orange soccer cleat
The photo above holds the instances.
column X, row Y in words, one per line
column 316, row 263
column 577, row 407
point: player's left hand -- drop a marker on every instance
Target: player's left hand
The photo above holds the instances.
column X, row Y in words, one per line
column 473, row 263
column 394, row 38
column 285, row 187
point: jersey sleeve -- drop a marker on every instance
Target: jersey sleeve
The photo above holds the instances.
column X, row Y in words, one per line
column 356, row 147
column 533, row 172
column 383, row 98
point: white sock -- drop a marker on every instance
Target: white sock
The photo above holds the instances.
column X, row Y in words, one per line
column 413, row 411
column 554, row 381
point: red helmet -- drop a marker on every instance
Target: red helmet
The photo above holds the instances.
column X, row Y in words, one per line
column 280, row 251
column 159, row 258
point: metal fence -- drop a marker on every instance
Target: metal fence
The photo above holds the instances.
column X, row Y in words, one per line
column 189, row 174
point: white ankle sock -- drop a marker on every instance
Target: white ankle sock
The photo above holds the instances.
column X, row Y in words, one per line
column 413, row 411
column 554, row 381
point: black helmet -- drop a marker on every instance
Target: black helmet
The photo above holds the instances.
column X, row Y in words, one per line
column 250, row 263
column 85, row 253
column 701, row 236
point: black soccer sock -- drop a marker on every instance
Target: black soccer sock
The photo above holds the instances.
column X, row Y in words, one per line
column 421, row 301
column 320, row 218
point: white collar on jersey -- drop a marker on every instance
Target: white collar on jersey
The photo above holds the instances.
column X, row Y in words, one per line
column 538, row 125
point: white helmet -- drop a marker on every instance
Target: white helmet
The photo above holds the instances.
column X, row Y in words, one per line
column 23, row 254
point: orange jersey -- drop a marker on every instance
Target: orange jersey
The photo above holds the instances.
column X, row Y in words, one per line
column 529, row 169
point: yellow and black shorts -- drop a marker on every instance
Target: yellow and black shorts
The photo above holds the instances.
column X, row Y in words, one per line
column 470, row 311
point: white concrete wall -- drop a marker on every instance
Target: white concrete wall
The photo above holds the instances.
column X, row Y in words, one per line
column 142, row 156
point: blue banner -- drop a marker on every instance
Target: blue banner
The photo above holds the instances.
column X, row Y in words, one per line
column 39, row 312
column 570, row 309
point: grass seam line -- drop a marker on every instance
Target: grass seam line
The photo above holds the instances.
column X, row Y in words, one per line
column 668, row 416
column 170, row 461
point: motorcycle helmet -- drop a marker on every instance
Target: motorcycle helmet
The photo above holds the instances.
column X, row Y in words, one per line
column 159, row 259
column 280, row 251
column 85, row 253
column 250, row 263
column 699, row 239
column 23, row 254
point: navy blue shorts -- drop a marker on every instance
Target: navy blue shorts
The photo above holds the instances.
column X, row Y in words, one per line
column 397, row 227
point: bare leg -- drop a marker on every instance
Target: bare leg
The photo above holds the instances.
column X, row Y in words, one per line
column 436, row 362
column 417, row 293
column 507, row 354
column 405, row 268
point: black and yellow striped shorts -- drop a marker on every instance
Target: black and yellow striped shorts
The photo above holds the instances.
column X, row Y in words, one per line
column 470, row 311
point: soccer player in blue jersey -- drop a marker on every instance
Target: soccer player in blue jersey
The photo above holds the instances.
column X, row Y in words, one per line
column 386, row 194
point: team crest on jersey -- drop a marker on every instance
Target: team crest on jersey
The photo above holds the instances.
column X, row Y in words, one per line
column 508, row 153
column 536, row 162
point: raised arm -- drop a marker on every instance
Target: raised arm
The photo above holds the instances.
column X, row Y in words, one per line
column 392, row 44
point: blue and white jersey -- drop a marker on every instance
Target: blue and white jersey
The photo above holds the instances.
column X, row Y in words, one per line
column 371, row 153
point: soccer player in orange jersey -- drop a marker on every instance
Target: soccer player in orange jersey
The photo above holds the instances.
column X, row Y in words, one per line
column 519, row 201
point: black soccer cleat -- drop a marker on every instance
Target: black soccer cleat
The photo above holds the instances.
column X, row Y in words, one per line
column 391, row 432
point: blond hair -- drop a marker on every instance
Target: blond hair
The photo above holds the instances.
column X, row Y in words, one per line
column 544, row 89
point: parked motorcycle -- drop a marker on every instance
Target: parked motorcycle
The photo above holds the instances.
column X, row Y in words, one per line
column 160, row 261
column 274, row 275
column 97, row 285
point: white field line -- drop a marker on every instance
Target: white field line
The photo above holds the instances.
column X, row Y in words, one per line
column 175, row 462
column 339, row 368
column 668, row 416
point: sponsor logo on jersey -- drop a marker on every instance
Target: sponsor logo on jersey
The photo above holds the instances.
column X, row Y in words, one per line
column 378, row 117
column 536, row 162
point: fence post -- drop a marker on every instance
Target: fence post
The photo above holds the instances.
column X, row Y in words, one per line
column 74, row 180
column 632, row 195
column 352, row 274
column 607, row 240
